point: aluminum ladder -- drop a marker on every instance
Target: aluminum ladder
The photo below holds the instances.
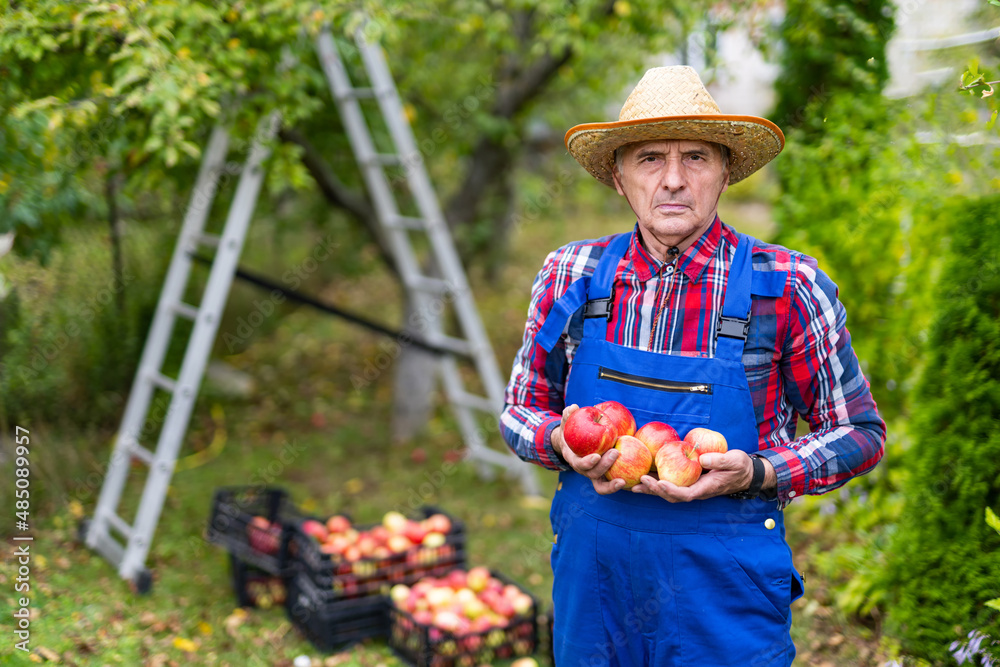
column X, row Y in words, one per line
column 127, row 545
column 452, row 286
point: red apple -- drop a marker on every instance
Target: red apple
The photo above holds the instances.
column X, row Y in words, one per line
column 315, row 529
column 619, row 415
column 456, row 579
column 263, row 535
column 656, row 434
column 338, row 524
column 677, row 462
column 415, row 532
column 437, row 523
column 707, row 440
column 589, row 431
column 633, row 461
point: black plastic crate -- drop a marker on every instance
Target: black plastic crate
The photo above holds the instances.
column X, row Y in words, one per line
column 254, row 587
column 232, row 524
column 339, row 578
column 334, row 624
column 425, row 645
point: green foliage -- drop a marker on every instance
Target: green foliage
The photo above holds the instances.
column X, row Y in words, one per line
column 945, row 561
column 843, row 202
column 71, row 335
column 831, row 48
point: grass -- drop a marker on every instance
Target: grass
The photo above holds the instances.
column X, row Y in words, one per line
column 307, row 429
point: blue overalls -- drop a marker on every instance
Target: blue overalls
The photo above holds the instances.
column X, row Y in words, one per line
column 640, row 581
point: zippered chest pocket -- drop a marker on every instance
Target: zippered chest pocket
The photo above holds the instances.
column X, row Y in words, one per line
column 654, row 399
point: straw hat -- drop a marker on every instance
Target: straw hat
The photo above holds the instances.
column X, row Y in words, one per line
column 672, row 103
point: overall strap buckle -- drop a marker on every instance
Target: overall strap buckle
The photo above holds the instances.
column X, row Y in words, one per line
column 732, row 327
column 599, row 307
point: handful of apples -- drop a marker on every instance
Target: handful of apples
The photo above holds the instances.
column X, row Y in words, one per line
column 654, row 449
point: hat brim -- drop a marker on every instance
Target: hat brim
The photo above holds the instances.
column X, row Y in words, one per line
column 752, row 141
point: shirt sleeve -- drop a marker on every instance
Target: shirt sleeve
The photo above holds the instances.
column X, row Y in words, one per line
column 534, row 398
column 823, row 382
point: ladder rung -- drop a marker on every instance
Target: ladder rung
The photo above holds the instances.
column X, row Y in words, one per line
column 162, row 381
column 185, row 310
column 141, row 453
column 432, row 285
column 119, row 525
column 406, row 222
column 477, row 402
column 384, row 159
column 363, row 92
column 211, row 240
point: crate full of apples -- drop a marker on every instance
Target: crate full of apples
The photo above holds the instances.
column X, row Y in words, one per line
column 462, row 619
column 655, row 449
column 346, row 560
column 253, row 523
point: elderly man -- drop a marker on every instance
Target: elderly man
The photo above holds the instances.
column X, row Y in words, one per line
column 687, row 321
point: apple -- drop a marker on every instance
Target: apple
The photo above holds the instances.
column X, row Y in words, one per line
column 589, row 431
column 263, row 535
column 433, row 540
column 456, row 580
column 399, row 593
column 633, row 461
column 524, row 662
column 478, row 578
column 415, row 532
column 338, row 524
column 707, row 440
column 656, row 434
column 677, row 462
column 619, row 415
column 394, row 522
column 437, row 523
column 380, row 534
column 398, row 543
column 522, row 604
column 315, row 529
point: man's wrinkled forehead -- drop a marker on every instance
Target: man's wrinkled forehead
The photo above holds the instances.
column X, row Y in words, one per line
column 667, row 145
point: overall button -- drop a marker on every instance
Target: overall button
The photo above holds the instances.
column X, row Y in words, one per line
column 769, row 523
column 559, row 487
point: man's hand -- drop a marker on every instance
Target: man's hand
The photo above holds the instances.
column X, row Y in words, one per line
column 724, row 474
column 593, row 465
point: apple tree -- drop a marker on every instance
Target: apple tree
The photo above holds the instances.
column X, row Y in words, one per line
column 105, row 107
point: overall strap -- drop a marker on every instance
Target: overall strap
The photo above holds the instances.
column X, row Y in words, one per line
column 601, row 295
column 562, row 311
column 594, row 291
column 733, row 325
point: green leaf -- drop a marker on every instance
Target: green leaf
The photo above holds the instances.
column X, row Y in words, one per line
column 995, row 3
column 992, row 520
column 995, row 602
column 993, row 118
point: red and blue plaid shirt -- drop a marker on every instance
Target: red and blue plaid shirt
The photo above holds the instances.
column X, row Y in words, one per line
column 798, row 358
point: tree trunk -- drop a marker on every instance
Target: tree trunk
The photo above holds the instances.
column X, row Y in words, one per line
column 114, row 223
column 416, row 371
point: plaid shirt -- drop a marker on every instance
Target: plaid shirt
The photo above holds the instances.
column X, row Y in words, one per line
column 798, row 357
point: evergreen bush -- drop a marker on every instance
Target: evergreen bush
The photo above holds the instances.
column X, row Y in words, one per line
column 944, row 561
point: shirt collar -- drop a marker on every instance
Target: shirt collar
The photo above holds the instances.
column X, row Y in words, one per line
column 692, row 261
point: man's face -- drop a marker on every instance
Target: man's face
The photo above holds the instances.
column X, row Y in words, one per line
column 673, row 187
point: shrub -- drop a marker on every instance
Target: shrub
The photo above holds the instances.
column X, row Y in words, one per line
column 944, row 562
